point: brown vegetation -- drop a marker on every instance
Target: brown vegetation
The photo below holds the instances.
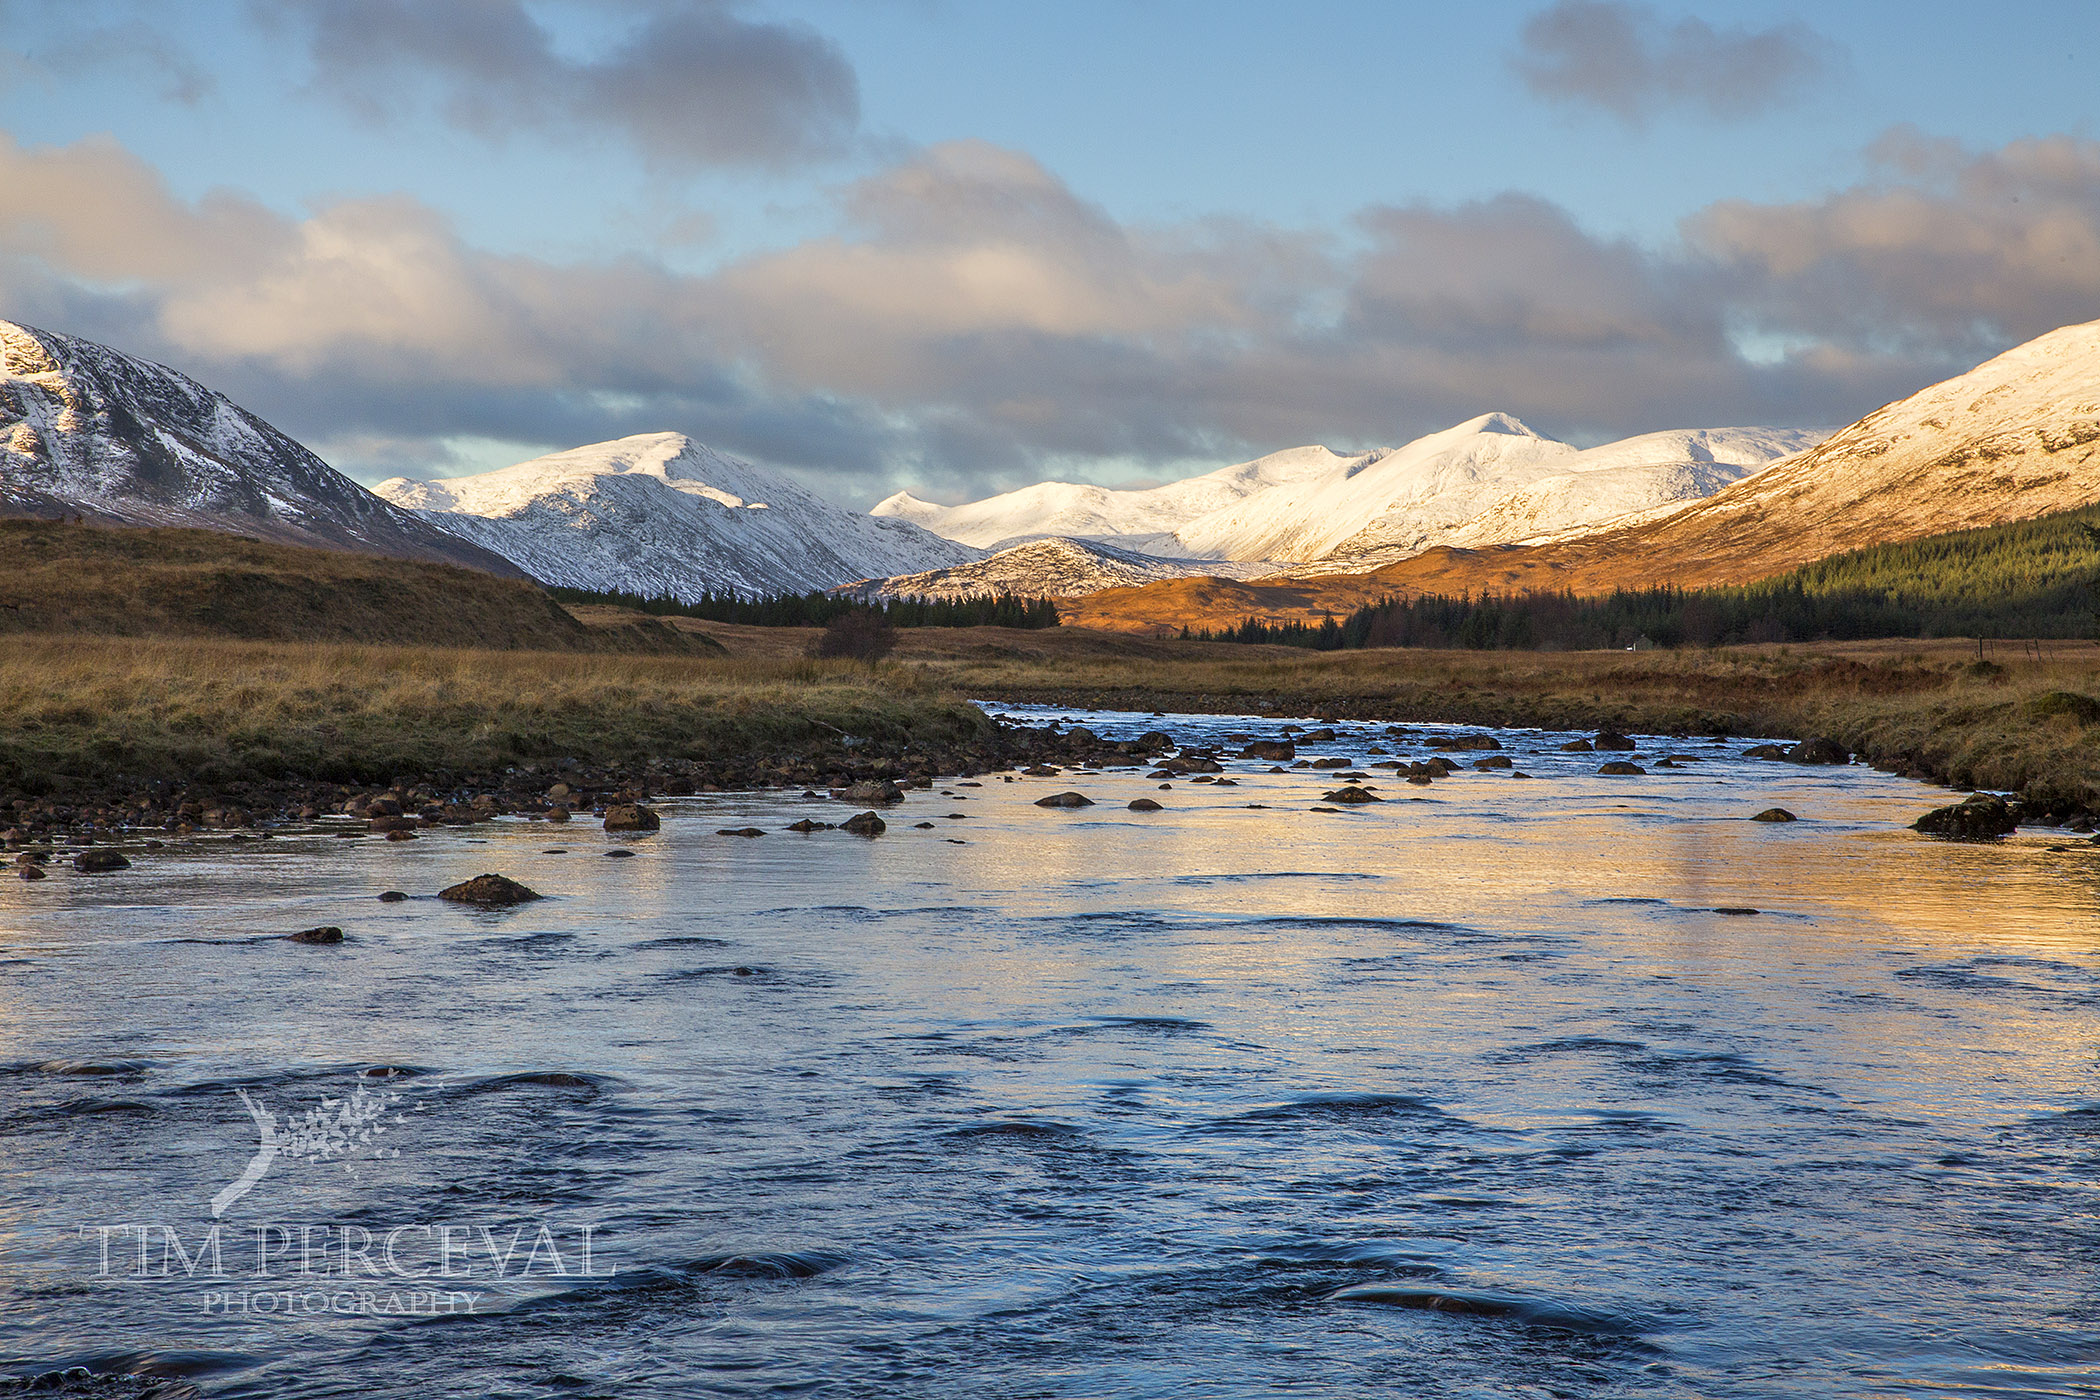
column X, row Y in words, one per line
column 123, row 582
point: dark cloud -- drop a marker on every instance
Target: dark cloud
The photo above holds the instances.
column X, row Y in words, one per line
column 973, row 324
column 1626, row 60
column 691, row 83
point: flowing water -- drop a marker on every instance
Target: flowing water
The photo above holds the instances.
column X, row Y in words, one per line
column 1495, row 1088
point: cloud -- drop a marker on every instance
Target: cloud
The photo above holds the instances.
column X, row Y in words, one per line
column 60, row 42
column 972, row 323
column 1625, row 59
column 692, row 84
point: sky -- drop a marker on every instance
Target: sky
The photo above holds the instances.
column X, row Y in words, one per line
column 958, row 246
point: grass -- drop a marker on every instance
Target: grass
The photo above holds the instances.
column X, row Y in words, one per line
column 109, row 581
column 103, row 711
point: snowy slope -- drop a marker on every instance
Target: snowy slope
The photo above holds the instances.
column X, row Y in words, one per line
column 87, row 430
column 1052, row 568
column 2016, row 437
column 660, row 513
column 1489, row 480
column 1144, row 519
column 1447, row 499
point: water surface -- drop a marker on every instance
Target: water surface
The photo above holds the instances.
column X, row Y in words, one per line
column 1476, row 1091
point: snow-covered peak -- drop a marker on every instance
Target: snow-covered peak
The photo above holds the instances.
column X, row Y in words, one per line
column 85, row 429
column 660, row 513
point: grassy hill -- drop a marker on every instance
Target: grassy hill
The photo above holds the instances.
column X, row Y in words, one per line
column 2035, row 578
column 120, row 582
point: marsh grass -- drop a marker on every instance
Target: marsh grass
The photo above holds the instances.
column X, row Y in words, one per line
column 95, row 709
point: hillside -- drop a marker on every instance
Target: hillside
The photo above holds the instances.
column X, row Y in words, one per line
column 2016, row 438
column 143, row 582
column 89, row 431
column 660, row 514
column 1487, row 480
column 1051, row 568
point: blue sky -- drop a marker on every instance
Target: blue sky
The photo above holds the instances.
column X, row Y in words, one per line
column 960, row 246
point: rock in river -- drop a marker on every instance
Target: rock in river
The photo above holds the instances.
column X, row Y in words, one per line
column 489, row 891
column 1144, row 804
column 1351, row 794
column 1818, row 750
column 1611, row 739
column 1270, row 749
column 1775, row 814
column 1065, row 799
column 876, row 790
column 1623, row 770
column 631, row 816
column 95, row 862
column 1983, row 815
column 327, row 934
column 865, row 824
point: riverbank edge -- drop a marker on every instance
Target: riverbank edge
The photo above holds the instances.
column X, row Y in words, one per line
column 1964, row 752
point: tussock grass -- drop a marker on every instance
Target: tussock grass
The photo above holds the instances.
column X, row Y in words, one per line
column 95, row 709
column 114, row 581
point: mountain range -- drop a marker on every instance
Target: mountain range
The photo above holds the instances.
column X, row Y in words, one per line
column 1486, row 505
column 90, row 431
column 2015, row 438
column 1484, row 481
column 659, row 514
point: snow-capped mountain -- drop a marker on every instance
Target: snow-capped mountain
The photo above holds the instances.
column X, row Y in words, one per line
column 1144, row 520
column 661, row 514
column 2015, row 438
column 87, row 430
column 1052, row 568
column 1493, row 481
column 1489, row 480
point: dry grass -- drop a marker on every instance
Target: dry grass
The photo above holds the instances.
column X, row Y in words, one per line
column 112, row 581
column 91, row 709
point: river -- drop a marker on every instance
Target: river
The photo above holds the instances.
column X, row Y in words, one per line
column 1575, row 1085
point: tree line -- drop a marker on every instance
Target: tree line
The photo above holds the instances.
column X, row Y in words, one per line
column 2036, row 578
column 823, row 609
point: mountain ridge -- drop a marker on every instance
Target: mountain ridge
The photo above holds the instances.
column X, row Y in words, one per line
column 658, row 513
column 89, row 430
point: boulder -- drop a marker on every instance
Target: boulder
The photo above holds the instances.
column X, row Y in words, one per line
column 1622, row 770
column 631, row 816
column 1818, row 750
column 1144, row 804
column 864, row 824
column 1351, row 794
column 1271, row 749
column 1419, row 779
column 740, row 831
column 807, row 825
column 1775, row 814
column 32, row 872
column 1610, row 739
column 387, row 824
column 1440, row 766
column 1498, row 761
column 1577, row 746
column 1771, row 751
column 557, row 814
column 1065, row 799
column 1333, row 763
column 876, row 790
column 393, row 897
column 328, row 934
column 1983, row 816
column 1040, row 770
column 97, row 862
column 1152, row 740
column 489, row 891
column 1317, row 736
